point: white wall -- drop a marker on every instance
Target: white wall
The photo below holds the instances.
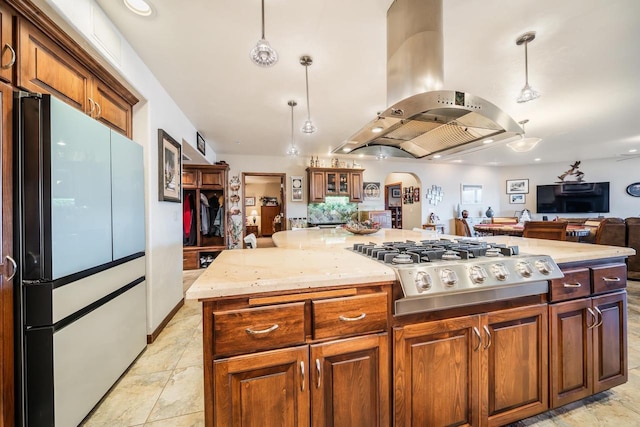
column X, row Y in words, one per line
column 156, row 110
column 619, row 174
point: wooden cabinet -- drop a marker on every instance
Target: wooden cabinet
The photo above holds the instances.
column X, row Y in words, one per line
column 204, row 214
column 493, row 365
column 8, row 54
column 588, row 331
column 325, row 182
column 45, row 67
column 396, row 216
column 268, row 359
column 7, row 269
column 588, row 346
column 267, row 215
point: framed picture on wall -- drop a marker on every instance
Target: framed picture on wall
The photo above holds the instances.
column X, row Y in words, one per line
column 202, row 146
column 517, row 198
column 249, row 201
column 395, row 192
column 296, row 188
column 169, row 168
column 517, row 186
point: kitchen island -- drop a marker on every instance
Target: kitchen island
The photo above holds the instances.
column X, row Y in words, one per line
column 305, row 333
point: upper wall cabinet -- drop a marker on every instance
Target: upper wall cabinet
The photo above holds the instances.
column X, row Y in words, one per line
column 45, row 67
column 325, row 182
column 7, row 45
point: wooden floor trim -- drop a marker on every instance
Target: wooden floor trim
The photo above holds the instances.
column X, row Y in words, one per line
column 154, row 335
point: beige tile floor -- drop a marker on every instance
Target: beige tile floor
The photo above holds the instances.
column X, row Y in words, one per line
column 164, row 387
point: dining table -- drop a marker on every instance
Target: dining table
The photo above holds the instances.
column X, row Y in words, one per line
column 516, row 229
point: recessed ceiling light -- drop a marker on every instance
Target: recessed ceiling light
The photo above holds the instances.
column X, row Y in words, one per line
column 487, row 141
column 633, row 150
column 437, row 156
column 377, row 129
column 537, row 159
column 139, row 7
column 346, row 149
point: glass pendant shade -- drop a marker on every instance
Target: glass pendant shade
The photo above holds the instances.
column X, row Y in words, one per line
column 308, row 127
column 263, row 54
column 527, row 93
column 523, row 144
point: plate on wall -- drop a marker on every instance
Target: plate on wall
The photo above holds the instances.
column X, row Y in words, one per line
column 634, row 189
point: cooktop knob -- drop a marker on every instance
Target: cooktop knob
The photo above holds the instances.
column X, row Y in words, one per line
column 524, row 269
column 423, row 281
column 477, row 274
column 544, row 266
column 448, row 277
column 499, row 271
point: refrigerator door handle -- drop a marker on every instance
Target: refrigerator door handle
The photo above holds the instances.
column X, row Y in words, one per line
column 15, row 267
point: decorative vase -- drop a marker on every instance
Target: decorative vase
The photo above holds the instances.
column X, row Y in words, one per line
column 489, row 212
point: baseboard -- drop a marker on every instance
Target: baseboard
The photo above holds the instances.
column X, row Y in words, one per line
column 154, row 335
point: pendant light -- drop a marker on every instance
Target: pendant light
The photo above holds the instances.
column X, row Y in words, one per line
column 523, row 144
column 263, row 54
column 308, row 126
column 381, row 155
column 293, row 150
column 527, row 93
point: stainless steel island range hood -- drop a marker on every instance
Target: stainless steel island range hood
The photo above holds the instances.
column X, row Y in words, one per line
column 425, row 122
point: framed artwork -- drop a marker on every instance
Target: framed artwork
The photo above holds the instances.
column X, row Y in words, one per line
column 296, row 188
column 202, row 147
column 416, row 194
column 371, row 190
column 249, row 201
column 634, row 189
column 169, row 168
column 517, row 186
column 517, row 198
column 470, row 194
column 395, row 192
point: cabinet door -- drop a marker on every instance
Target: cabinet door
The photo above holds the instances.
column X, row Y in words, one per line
column 6, row 250
column 111, row 109
column 610, row 341
column 267, row 215
column 356, row 187
column 331, row 182
column 350, row 384
column 344, row 186
column 316, row 187
column 515, row 364
column 262, row 389
column 436, row 373
column 7, row 45
column 45, row 68
column 571, row 351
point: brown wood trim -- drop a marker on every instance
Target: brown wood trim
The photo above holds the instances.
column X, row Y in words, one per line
column 34, row 15
column 302, row 297
column 154, row 335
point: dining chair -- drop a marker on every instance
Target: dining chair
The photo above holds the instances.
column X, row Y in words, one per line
column 611, row 231
column 462, row 228
column 550, row 230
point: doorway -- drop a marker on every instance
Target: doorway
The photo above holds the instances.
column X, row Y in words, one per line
column 264, row 207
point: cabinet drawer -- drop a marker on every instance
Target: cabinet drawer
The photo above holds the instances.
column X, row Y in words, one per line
column 211, row 179
column 609, row 277
column 349, row 315
column 261, row 328
column 190, row 178
column 189, row 260
column 575, row 284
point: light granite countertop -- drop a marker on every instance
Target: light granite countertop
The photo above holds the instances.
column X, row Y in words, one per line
column 315, row 258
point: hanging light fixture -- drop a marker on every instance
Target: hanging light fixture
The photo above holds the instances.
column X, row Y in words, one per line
column 527, row 93
column 293, row 150
column 523, row 144
column 308, row 126
column 263, row 54
column 381, row 155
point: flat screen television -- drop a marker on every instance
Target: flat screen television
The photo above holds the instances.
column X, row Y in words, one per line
column 574, row 197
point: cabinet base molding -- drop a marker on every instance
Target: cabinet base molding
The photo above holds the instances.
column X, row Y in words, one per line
column 152, row 337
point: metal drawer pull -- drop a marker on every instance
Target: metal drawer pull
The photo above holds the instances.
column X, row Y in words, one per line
column 572, row 285
column 262, row 331
column 15, row 267
column 302, row 374
column 601, row 318
column 93, row 106
column 477, row 332
column 318, row 371
column 353, row 319
column 99, row 110
column 486, row 330
column 595, row 319
column 611, row 279
column 13, row 56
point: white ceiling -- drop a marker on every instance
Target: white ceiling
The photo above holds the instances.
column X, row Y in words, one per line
column 585, row 61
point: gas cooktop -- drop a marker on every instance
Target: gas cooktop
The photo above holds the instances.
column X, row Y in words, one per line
column 438, row 274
